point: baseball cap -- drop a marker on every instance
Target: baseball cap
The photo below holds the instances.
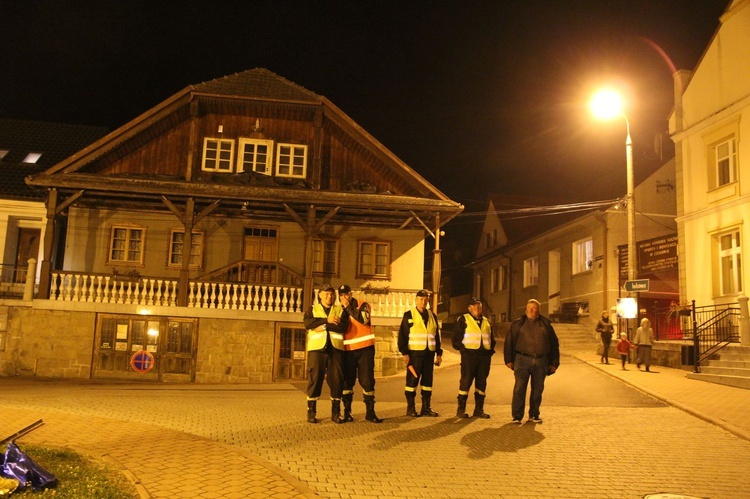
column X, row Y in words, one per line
column 423, row 292
column 327, row 287
column 344, row 289
column 474, row 300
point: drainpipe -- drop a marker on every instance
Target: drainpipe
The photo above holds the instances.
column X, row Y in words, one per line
column 601, row 217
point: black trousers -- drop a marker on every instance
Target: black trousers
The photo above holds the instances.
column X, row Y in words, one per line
column 424, row 365
column 475, row 368
column 329, row 364
column 360, row 364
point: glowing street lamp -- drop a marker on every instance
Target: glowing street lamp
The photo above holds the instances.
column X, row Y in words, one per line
column 608, row 104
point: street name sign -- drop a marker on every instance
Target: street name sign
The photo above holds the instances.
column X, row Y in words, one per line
column 637, row 285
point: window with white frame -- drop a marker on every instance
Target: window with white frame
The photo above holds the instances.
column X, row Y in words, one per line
column 291, row 160
column 218, row 155
column 374, row 259
column 177, row 249
column 726, row 162
column 126, row 244
column 531, row 272
column 325, row 256
column 583, row 255
column 255, row 155
column 729, row 262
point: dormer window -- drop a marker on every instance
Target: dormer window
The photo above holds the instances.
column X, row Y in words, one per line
column 218, row 155
column 255, row 156
column 291, row 160
column 32, row 157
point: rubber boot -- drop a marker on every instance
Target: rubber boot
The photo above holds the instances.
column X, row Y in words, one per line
column 479, row 406
column 411, row 409
column 461, row 411
column 336, row 411
column 426, row 411
column 311, row 410
column 348, row 408
column 370, row 405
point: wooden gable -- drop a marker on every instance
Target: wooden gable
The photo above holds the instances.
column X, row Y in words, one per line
column 160, row 153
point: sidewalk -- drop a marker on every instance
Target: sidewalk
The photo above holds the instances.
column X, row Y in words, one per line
column 724, row 406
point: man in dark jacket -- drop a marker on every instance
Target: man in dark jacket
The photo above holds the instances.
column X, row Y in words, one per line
column 531, row 351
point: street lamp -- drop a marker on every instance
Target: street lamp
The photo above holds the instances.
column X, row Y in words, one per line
column 607, row 104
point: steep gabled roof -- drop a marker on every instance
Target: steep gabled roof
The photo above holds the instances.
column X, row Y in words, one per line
column 258, row 83
column 252, row 91
column 53, row 141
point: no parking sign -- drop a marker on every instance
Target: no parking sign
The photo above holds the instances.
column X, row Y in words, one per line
column 142, row 361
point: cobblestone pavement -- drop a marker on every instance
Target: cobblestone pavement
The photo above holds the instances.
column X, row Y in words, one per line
column 600, row 438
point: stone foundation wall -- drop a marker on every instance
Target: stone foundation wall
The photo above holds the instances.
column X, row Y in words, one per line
column 47, row 343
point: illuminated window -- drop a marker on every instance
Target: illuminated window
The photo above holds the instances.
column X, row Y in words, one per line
column 530, row 272
column 177, row 245
column 729, row 263
column 218, row 155
column 126, row 244
column 255, row 156
column 291, row 160
column 583, row 255
column 374, row 259
column 326, row 256
column 32, row 157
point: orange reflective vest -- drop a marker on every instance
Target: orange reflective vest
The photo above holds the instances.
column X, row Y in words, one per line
column 359, row 335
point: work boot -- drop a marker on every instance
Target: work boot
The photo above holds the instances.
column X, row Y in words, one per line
column 479, row 407
column 370, row 405
column 311, row 410
column 426, row 411
column 348, row 408
column 461, row 411
column 336, row 411
column 411, row 409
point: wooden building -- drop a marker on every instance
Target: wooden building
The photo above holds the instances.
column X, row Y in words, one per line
column 199, row 231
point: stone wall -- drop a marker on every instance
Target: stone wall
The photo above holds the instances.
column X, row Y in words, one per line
column 47, row 343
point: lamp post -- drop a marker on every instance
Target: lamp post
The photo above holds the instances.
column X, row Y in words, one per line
column 607, row 104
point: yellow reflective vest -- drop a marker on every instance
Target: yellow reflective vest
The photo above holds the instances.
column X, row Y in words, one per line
column 474, row 336
column 422, row 335
column 316, row 340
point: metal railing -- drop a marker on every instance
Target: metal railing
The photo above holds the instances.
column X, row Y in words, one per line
column 12, row 280
column 710, row 327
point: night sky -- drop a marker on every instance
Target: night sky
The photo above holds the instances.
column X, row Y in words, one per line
column 477, row 96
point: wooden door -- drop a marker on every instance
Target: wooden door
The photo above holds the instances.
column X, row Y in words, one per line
column 290, row 353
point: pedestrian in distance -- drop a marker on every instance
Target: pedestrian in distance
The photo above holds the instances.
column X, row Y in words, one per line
column 325, row 324
column 605, row 329
column 359, row 355
column 419, row 343
column 532, row 352
column 622, row 348
column 644, row 340
column 473, row 338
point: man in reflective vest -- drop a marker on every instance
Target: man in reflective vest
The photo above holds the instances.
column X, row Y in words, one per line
column 359, row 355
column 419, row 343
column 325, row 326
column 473, row 338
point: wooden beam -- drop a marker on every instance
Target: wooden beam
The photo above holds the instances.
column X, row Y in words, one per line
column 71, row 199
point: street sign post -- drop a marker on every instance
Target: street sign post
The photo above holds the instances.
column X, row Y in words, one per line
column 637, row 285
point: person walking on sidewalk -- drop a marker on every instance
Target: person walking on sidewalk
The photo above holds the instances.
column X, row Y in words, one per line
column 359, row 355
column 622, row 348
column 605, row 330
column 531, row 351
column 644, row 340
column 473, row 338
column 419, row 343
column 325, row 324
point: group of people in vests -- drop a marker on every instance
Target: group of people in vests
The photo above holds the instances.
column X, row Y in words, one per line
column 341, row 349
